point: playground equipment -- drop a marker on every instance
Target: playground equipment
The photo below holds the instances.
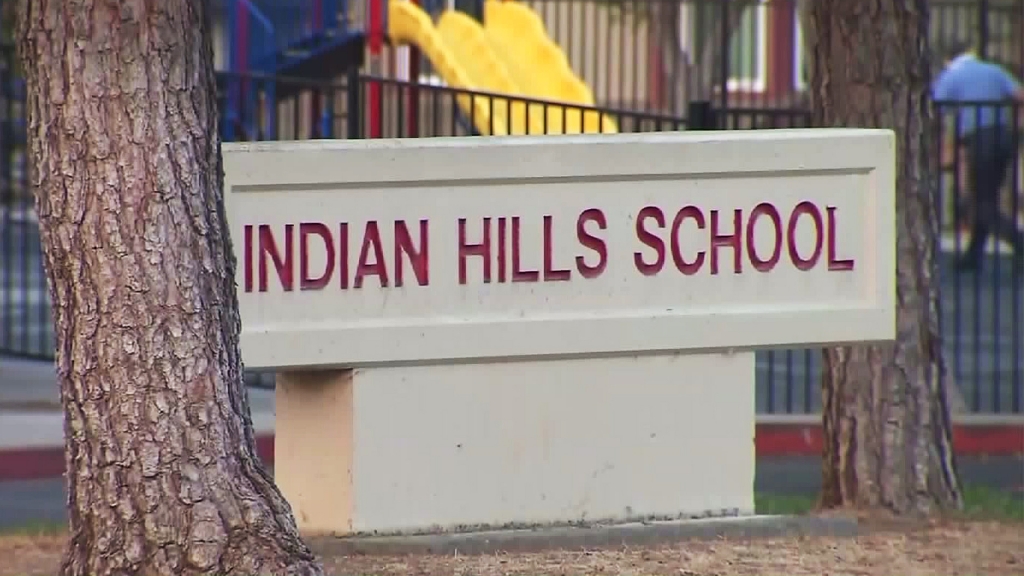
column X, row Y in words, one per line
column 517, row 33
column 305, row 39
column 407, row 23
column 510, row 53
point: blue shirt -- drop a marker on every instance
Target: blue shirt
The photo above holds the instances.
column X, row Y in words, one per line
column 968, row 79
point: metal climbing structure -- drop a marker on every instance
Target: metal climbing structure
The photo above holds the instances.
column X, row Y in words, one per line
column 310, row 39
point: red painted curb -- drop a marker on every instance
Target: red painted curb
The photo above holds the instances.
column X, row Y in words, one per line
column 31, row 463
column 968, row 440
column 771, row 440
column 41, row 463
column 265, row 448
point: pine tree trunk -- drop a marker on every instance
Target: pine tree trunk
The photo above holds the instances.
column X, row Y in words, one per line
column 161, row 466
column 888, row 436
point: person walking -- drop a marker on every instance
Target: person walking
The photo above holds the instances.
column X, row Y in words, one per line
column 987, row 130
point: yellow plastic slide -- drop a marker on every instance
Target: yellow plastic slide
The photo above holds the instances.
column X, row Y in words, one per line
column 465, row 37
column 408, row 24
column 467, row 56
column 518, row 35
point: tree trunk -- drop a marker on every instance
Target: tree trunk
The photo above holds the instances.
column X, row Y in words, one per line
column 161, row 465
column 888, row 436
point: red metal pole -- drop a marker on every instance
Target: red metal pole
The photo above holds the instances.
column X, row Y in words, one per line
column 318, row 16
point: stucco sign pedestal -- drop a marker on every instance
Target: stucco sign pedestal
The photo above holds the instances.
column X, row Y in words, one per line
column 490, row 332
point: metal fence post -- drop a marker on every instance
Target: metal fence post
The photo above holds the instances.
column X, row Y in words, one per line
column 700, row 115
column 983, row 32
column 724, row 63
column 354, row 113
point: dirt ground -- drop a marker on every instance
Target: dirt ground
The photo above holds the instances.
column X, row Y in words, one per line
column 938, row 549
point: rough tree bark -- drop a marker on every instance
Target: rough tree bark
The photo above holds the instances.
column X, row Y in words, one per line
column 160, row 451
column 888, row 436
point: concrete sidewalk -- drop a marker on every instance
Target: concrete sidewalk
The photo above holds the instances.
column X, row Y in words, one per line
column 32, row 385
column 30, row 411
column 32, row 426
column 27, row 385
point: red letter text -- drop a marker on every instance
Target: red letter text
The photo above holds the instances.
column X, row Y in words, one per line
column 719, row 240
column 307, row 282
column 483, row 250
column 834, row 263
column 650, row 240
column 550, row 273
column 364, row 268
column 593, row 242
column 688, row 268
column 283, row 265
column 419, row 259
column 764, row 209
column 247, row 264
column 811, row 210
column 518, row 274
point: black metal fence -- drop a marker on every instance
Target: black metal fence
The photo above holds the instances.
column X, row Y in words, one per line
column 660, row 55
column 390, row 108
column 25, row 325
column 982, row 311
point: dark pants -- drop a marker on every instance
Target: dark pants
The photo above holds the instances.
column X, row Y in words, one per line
column 991, row 152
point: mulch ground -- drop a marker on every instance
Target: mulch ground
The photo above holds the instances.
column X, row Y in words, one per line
column 945, row 548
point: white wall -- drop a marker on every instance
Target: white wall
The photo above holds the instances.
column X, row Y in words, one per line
column 611, row 439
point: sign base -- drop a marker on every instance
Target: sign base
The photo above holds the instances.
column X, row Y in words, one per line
column 498, row 445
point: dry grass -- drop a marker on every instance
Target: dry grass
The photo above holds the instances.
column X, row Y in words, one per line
column 25, row 554
column 941, row 549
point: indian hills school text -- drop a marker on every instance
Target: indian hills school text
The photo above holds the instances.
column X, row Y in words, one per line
column 398, row 253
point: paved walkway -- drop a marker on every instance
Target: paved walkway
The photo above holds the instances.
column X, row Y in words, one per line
column 30, row 414
column 31, row 418
column 30, row 411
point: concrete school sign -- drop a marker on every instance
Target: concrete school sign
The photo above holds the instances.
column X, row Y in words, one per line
column 483, row 332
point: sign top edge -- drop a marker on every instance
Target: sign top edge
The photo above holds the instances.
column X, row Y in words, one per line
column 456, row 142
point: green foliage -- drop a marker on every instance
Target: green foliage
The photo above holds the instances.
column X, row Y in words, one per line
column 980, row 503
column 986, row 503
column 36, row 529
